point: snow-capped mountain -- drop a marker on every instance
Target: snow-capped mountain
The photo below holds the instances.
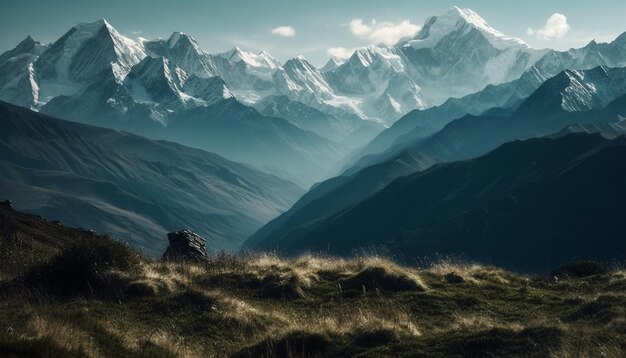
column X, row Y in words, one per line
column 453, row 55
column 168, row 89
column 420, row 123
column 154, row 90
column 458, row 53
column 18, row 84
column 182, row 50
column 80, row 55
column 577, row 91
column 612, row 54
column 333, row 63
column 383, row 83
column 300, row 80
column 375, row 83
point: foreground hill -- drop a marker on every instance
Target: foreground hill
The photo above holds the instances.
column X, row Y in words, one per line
column 527, row 205
column 136, row 188
column 67, row 292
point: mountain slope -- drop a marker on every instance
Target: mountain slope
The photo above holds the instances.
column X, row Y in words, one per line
column 556, row 104
column 134, row 187
column 336, row 194
column 309, row 118
column 241, row 133
column 80, row 55
column 568, row 98
column 157, row 101
column 527, row 205
column 418, row 124
column 18, row 83
column 458, row 53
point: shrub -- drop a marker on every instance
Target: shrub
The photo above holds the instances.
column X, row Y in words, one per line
column 383, row 278
column 82, row 269
column 277, row 286
column 376, row 337
column 578, row 269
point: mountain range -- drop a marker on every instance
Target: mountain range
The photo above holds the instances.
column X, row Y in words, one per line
column 379, row 84
column 420, row 123
column 575, row 100
column 96, row 75
column 451, row 96
column 132, row 187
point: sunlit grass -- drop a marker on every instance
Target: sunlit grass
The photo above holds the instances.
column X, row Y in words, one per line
column 262, row 304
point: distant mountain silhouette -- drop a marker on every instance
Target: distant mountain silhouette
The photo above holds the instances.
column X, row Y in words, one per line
column 528, row 205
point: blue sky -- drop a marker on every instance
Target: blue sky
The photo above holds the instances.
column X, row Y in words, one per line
column 290, row 28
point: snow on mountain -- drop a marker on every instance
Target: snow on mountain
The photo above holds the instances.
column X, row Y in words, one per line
column 612, row 54
column 159, row 79
column 418, row 124
column 25, row 49
column 333, row 63
column 184, row 52
column 208, row 90
column 17, row 77
column 580, row 90
column 262, row 59
column 154, row 90
column 82, row 54
column 261, row 65
column 458, row 53
column 300, row 80
column 378, row 77
column 367, row 70
column 436, row 28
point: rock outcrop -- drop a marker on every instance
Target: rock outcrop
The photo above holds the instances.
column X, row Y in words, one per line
column 185, row 245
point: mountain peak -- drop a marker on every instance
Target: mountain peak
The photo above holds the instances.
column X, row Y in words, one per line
column 298, row 61
column 333, row 63
column 177, row 37
column 28, row 46
column 620, row 38
column 262, row 59
column 467, row 15
column 455, row 20
column 173, row 40
column 28, row 39
column 95, row 26
column 115, row 51
column 183, row 41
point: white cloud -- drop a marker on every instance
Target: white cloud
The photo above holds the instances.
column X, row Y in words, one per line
column 340, row 52
column 387, row 33
column 555, row 28
column 284, row 31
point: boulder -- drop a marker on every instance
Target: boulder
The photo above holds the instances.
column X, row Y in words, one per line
column 185, row 245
